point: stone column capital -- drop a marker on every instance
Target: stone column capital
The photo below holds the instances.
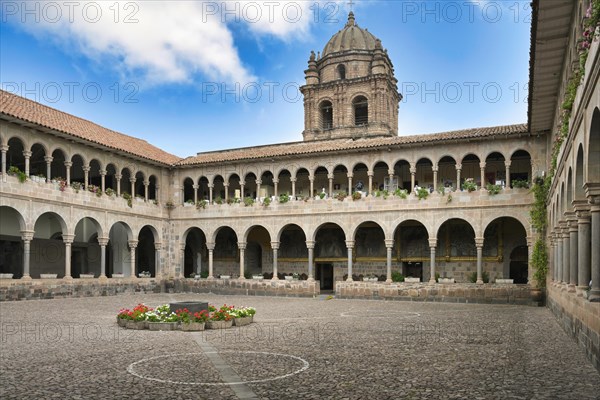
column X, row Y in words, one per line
column 433, row 243
column 211, row 186
column 275, row 181
column 482, row 164
column 182, row 246
column 258, row 182
column 158, row 246
column 310, row 244
column 479, row 242
column 27, row 235
column 132, row 180
column 370, row 173
column 103, row 241
column 389, row 243
column 68, row 164
column 350, row 244
column 118, row 177
column 458, row 167
column 210, row 245
column 3, row 148
column 224, row 185
column 507, row 163
column 435, row 168
column 350, row 175
column 27, row 153
column 103, row 172
column 195, row 187
column 146, row 183
column 242, row 245
column 68, row 239
column 293, row 180
column 132, row 243
column 592, row 192
column 413, row 170
column 48, row 159
column 573, row 225
column 86, row 168
column 275, row 245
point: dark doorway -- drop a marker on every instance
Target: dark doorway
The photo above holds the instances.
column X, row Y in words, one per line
column 324, row 274
column 519, row 265
column 413, row 270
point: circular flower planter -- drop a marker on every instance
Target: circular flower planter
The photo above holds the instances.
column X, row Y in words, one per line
column 193, row 327
column 219, row 324
column 243, row 321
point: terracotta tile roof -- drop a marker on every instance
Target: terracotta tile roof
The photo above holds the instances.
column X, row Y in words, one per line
column 39, row 114
column 300, row 148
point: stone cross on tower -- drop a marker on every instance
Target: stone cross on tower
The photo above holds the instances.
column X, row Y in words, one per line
column 351, row 3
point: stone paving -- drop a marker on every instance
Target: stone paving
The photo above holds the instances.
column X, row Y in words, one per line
column 296, row 349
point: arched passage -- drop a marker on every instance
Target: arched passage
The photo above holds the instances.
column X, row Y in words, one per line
column 14, row 155
column 411, row 250
column 118, row 251
column 85, row 251
column 47, row 246
column 225, row 255
column 505, row 250
column 258, row 255
column 293, row 253
column 370, row 251
column 195, row 254
column 37, row 162
column 11, row 245
column 145, row 254
column 456, row 253
column 330, row 255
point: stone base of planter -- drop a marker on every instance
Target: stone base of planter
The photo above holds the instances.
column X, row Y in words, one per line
column 193, row 327
column 136, row 325
column 243, row 321
column 162, row 326
column 48, row 276
column 122, row 322
column 412, row 280
column 86, row 276
column 219, row 324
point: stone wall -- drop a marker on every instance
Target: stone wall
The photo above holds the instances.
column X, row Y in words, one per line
column 579, row 318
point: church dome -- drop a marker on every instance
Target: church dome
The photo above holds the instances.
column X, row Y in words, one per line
column 350, row 38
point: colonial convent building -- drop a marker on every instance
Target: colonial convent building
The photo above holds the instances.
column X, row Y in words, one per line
column 351, row 200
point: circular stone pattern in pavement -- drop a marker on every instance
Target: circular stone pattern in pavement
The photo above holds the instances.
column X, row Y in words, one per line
column 190, row 368
column 380, row 314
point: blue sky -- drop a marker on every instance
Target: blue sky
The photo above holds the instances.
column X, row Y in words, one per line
column 192, row 76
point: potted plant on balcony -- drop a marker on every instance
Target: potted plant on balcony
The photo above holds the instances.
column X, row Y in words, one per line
column 469, row 185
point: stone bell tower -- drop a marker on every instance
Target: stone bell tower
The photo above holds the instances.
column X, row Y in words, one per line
column 350, row 90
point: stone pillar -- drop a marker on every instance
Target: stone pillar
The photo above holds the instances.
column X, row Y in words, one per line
column 68, row 241
column 573, row 256
column 68, row 165
column 458, row 169
column 181, row 261
column 258, row 183
column 102, row 241
column 156, row 196
column 3, row 151
column 275, row 247
column 593, row 195
column 413, row 172
column 370, row 187
column 330, row 178
column 293, row 180
column 479, row 246
column 566, row 255
column 118, row 178
column 210, row 193
column 432, row 246
column 559, row 253
column 389, row 246
column 132, row 246
column 132, row 180
column 507, row 180
column 242, row 248
column 86, row 177
column 350, row 246
column 146, row 184
column 312, row 186
column 482, row 169
column 242, row 185
column 195, row 187
column 276, row 187
column 27, row 155
column 583, row 249
column 435, row 177
column 157, row 269
column 310, row 245
column 391, row 175
column 103, row 180
column 350, row 183
column 211, row 247
column 27, row 237
column 226, row 186
column 48, row 160
column 552, row 255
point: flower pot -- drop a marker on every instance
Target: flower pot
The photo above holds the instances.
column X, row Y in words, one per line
column 192, row 327
column 258, row 277
column 289, row 278
column 162, row 326
column 136, row 325
column 219, row 324
column 243, row 321
column 122, row 322
column 48, row 276
column 6, row 276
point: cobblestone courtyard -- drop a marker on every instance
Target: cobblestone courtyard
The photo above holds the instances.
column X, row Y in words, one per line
column 296, row 349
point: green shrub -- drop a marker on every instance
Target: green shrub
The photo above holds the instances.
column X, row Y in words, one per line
column 493, row 189
column 284, row 198
column 397, row 276
column 422, row 193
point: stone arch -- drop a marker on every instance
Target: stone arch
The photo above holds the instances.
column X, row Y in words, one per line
column 188, row 190
column 94, row 177
column 569, row 189
column 58, row 169
column 139, row 187
column 153, row 187
column 145, row 253
column 258, row 246
column 225, row 254
column 579, row 172
column 360, row 177
column 267, row 187
column 195, row 259
column 369, row 249
column 456, row 249
column 325, row 115
column 37, row 162
column 302, row 176
column 117, row 250
column 471, row 169
column 49, row 230
column 110, row 179
column 424, row 173
column 341, row 71
column 447, row 172
column 520, row 166
column 502, row 236
column 126, row 175
column 402, row 176
column 203, row 189
column 284, row 176
column 411, row 249
column 593, row 171
column 85, row 250
column 495, row 168
column 11, row 249
column 360, row 110
column 234, row 182
column 14, row 155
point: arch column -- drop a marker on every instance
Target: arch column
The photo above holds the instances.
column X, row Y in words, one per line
column 275, row 247
column 27, row 155
column 435, row 177
column 413, row 173
column 310, row 245
column 573, row 250
column 293, row 181
column 592, row 192
column 48, row 160
column 559, row 252
column 507, row 172
column 258, row 183
column 479, row 246
column 312, row 187
column 132, row 246
column 390, row 175
column 432, row 246
column 86, row 176
column 157, row 269
column 211, row 248
column 482, row 177
column 146, row 184
column 350, row 176
column 226, row 187
column 389, row 246
column 27, row 237
column 103, row 180
column 68, row 241
column 370, row 187
column 3, row 151
column 242, row 184
column 330, row 178
column 132, row 181
column 350, row 246
column 566, row 250
column 195, row 187
column 458, row 169
column 583, row 248
column 156, row 188
column 118, row 178
column 68, row 165
column 103, row 242
column 210, row 193
column 276, row 187
column 242, row 248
